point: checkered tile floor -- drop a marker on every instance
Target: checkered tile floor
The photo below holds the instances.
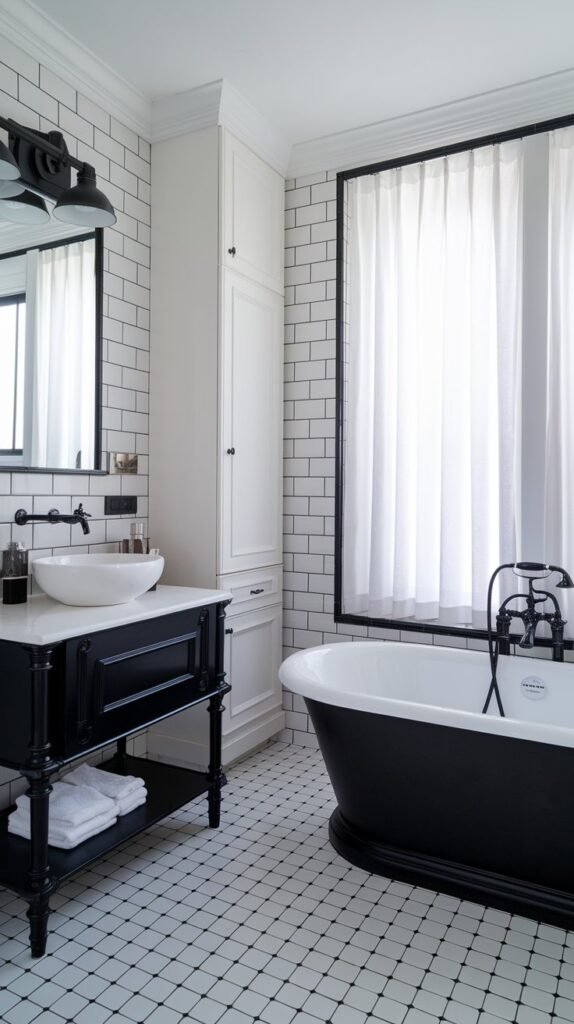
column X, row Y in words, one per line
column 262, row 921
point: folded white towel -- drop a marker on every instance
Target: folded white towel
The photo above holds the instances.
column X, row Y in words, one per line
column 65, row 839
column 117, row 787
column 72, row 806
column 131, row 801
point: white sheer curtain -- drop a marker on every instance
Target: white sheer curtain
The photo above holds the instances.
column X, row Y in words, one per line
column 61, row 343
column 432, row 450
column 559, row 485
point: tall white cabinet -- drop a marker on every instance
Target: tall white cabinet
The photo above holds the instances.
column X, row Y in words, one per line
column 216, row 414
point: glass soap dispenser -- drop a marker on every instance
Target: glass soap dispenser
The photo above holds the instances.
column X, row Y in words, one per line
column 15, row 574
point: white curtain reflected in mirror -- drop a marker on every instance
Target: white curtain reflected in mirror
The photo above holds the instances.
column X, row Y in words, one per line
column 60, row 345
column 49, row 394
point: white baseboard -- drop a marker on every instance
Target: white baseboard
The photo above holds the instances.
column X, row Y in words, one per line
column 190, row 753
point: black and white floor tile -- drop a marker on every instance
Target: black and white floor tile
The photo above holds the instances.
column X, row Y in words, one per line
column 262, row 921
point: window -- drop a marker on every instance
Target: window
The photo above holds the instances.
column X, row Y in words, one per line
column 455, row 369
column 12, row 360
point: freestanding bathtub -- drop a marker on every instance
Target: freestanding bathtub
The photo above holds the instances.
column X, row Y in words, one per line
column 433, row 792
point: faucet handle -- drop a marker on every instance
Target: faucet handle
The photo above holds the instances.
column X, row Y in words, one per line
column 79, row 511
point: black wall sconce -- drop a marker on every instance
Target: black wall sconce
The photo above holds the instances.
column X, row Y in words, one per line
column 35, row 162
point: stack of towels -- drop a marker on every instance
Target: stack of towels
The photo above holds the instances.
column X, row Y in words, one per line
column 126, row 791
column 86, row 803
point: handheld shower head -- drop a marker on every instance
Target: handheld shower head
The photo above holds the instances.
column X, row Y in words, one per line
column 565, row 583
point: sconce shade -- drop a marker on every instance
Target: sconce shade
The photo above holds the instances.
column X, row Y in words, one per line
column 25, row 209
column 9, row 169
column 84, row 203
column 9, row 189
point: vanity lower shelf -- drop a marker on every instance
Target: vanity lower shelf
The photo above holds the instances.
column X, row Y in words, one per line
column 169, row 788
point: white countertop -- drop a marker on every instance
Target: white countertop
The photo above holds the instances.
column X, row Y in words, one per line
column 43, row 621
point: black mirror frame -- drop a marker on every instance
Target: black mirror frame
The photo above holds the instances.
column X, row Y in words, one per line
column 98, row 235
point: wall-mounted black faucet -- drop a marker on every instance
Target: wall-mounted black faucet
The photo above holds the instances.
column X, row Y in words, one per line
column 22, row 517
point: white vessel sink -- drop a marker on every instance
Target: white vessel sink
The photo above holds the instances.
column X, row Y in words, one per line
column 97, row 579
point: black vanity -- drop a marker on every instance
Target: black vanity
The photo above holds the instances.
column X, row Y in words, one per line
column 73, row 680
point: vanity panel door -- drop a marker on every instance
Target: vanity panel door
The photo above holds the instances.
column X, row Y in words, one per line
column 122, row 679
column 253, row 197
column 251, row 426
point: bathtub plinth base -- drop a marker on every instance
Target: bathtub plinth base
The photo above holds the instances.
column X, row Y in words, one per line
column 500, row 891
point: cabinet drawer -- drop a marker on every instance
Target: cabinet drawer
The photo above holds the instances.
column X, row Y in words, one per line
column 123, row 679
column 252, row 589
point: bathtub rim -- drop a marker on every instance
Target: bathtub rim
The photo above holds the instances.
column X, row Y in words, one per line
column 514, row 728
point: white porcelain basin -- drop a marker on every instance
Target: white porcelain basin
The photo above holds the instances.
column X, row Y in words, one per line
column 97, row 579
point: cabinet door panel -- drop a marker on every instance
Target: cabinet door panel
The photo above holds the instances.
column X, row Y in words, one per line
column 253, row 654
column 253, row 201
column 119, row 680
column 251, row 428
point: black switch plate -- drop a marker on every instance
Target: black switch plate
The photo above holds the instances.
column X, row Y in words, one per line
column 120, row 505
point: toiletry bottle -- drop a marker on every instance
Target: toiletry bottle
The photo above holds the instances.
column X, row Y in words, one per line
column 136, row 544
column 15, row 574
column 154, row 551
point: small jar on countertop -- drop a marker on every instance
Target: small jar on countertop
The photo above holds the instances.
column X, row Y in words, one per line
column 15, row 574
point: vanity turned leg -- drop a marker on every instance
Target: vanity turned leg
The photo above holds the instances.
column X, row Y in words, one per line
column 215, row 775
column 120, row 757
column 38, row 914
column 38, row 775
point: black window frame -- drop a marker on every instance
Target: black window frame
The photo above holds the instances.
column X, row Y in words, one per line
column 403, row 625
column 16, row 299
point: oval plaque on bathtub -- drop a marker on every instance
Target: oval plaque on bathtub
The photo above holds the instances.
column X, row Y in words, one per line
column 533, row 687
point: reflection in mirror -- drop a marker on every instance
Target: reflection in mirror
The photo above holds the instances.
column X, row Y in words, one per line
column 49, row 352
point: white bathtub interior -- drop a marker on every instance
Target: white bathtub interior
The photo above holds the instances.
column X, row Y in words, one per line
column 442, row 685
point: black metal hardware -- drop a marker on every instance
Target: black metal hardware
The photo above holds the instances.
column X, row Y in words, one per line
column 229, row 631
column 500, row 644
column 231, row 451
column 21, row 517
column 232, row 251
column 258, row 590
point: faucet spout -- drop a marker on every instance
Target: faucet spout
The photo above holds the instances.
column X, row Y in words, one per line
column 527, row 640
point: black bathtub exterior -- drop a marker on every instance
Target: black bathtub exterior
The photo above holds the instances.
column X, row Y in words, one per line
column 483, row 817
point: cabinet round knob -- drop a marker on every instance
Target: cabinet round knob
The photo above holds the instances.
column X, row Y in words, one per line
column 232, row 251
column 231, row 451
column 228, row 631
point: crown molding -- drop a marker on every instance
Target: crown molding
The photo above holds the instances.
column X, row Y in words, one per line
column 185, row 112
column 218, row 103
column 23, row 24
column 499, row 110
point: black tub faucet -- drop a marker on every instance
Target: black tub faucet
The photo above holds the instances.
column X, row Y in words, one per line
column 22, row 517
column 529, row 615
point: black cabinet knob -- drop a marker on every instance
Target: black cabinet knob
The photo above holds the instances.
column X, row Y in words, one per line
column 232, row 251
column 231, row 451
column 228, row 631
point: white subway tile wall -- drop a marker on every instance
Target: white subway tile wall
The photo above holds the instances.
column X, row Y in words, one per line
column 36, row 97
column 309, row 430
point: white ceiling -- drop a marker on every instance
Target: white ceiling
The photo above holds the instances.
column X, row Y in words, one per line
column 315, row 67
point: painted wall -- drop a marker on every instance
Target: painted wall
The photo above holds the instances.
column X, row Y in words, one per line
column 34, row 96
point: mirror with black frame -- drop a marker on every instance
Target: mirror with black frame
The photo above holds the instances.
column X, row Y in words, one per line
column 50, row 350
column 51, row 304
